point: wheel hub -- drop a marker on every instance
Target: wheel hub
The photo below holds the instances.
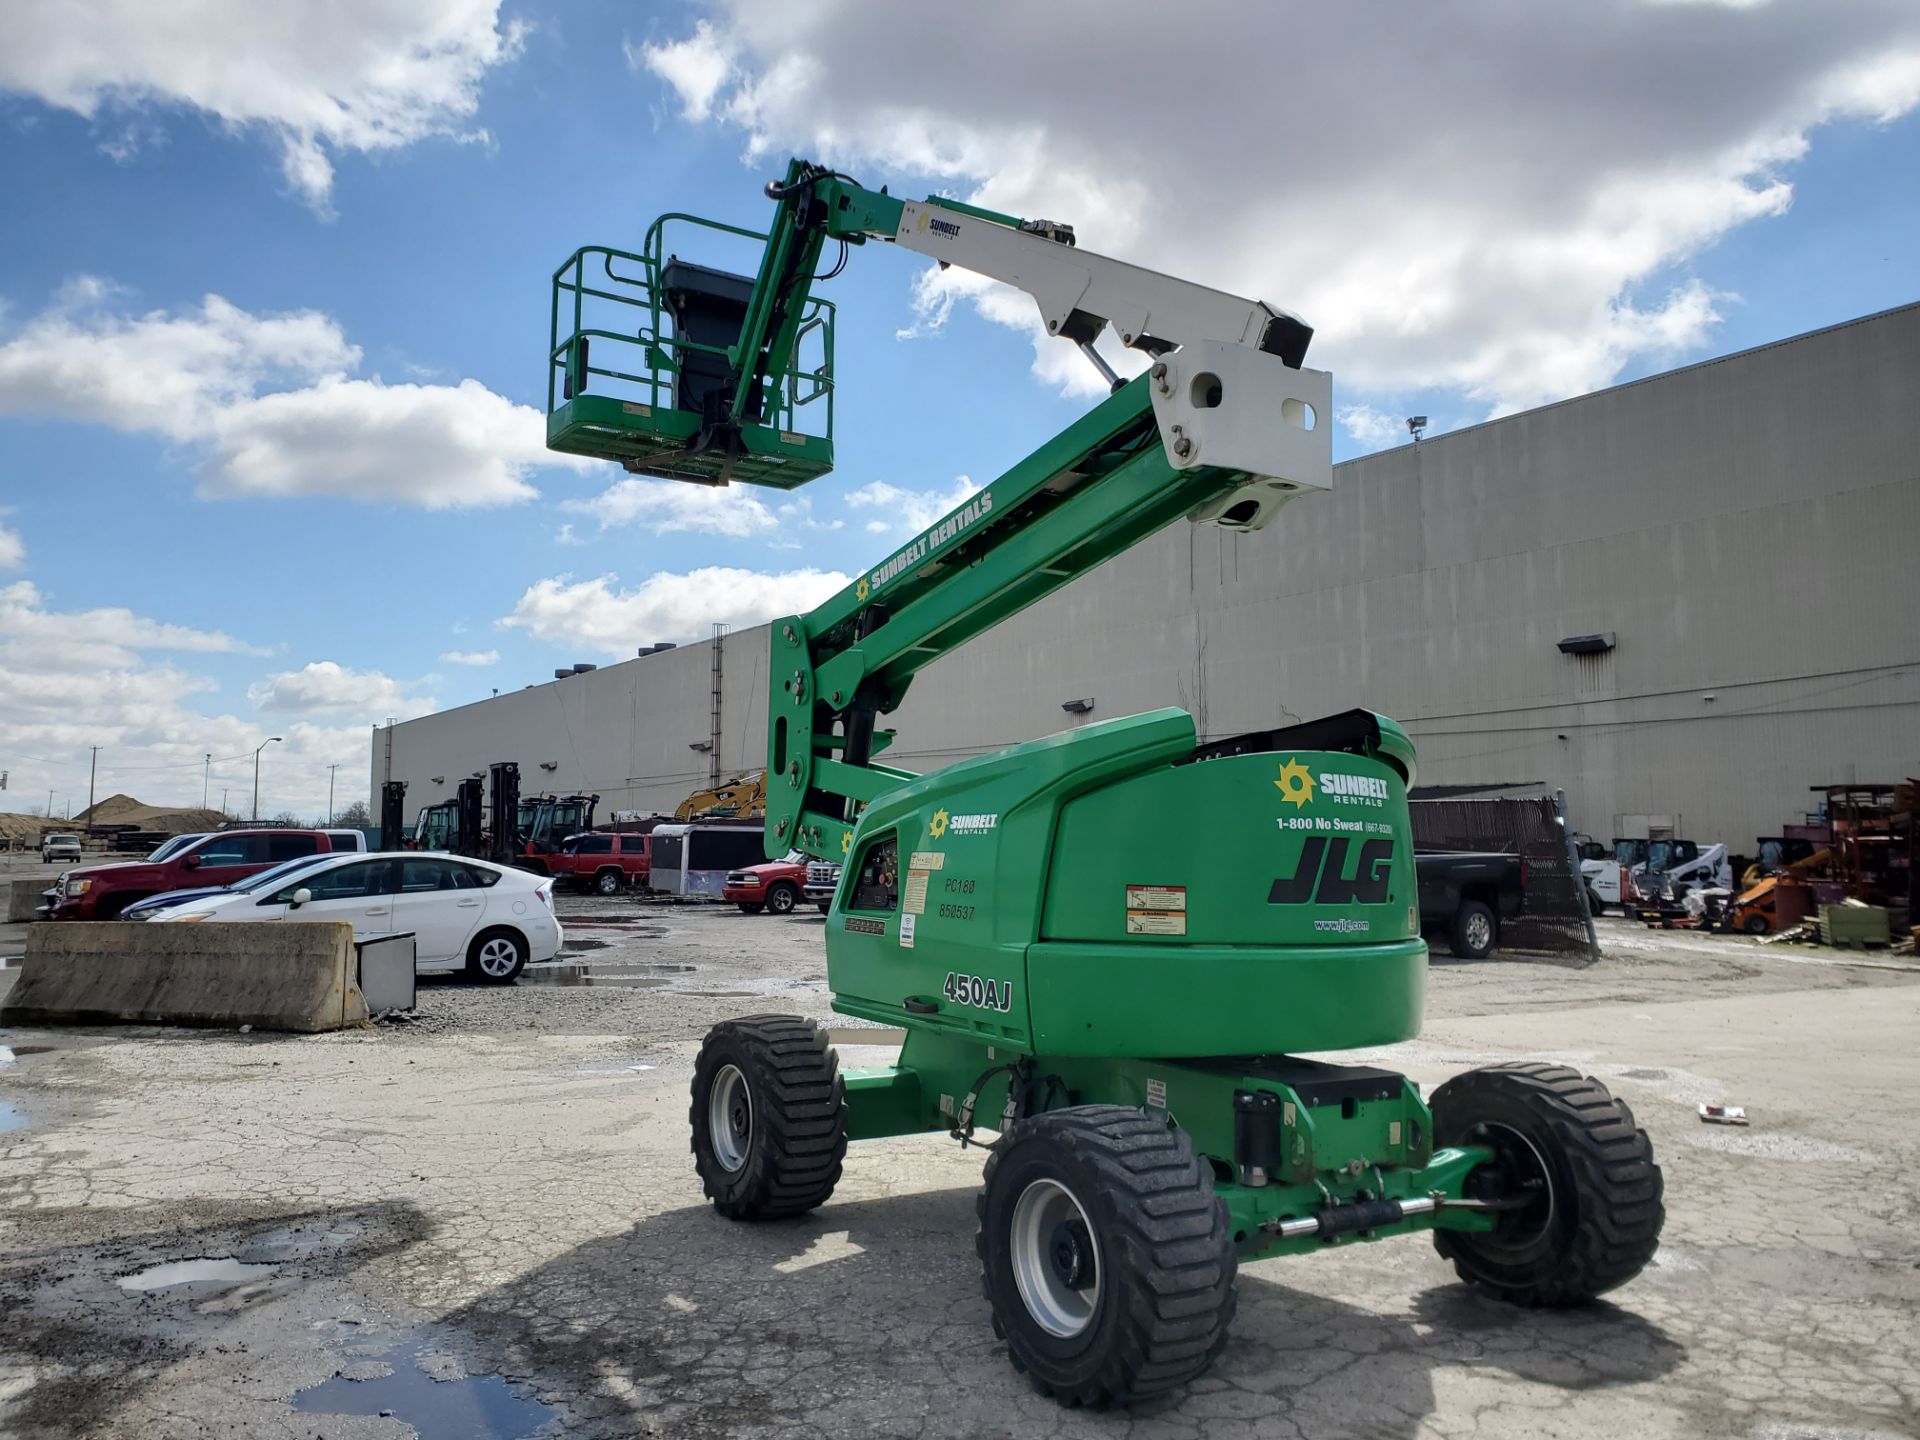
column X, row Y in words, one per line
column 1072, row 1253
column 1055, row 1258
column 730, row 1117
column 1519, row 1174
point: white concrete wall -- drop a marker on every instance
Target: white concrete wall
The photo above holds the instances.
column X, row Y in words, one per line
column 1746, row 527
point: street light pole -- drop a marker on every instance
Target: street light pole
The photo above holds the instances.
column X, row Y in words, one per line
column 206, row 781
column 271, row 739
column 330, row 770
column 91, row 765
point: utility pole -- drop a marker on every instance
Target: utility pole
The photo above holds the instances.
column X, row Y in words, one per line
column 91, row 764
column 206, row 781
column 330, row 770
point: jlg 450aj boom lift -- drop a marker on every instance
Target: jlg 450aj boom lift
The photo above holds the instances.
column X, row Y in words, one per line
column 1127, row 1029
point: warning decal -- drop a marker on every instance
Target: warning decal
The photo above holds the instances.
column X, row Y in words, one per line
column 1156, row 909
column 916, row 892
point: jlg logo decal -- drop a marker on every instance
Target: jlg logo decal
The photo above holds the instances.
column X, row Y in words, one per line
column 1321, row 875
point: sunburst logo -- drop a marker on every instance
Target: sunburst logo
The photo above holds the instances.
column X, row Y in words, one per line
column 1295, row 782
column 937, row 826
column 862, row 589
column 846, row 841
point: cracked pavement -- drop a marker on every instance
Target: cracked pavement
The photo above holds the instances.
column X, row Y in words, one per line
column 505, row 1185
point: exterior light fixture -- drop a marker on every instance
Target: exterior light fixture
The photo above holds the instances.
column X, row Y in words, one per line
column 1587, row 644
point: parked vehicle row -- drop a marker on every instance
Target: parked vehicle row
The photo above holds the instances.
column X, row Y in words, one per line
column 208, row 862
column 493, row 920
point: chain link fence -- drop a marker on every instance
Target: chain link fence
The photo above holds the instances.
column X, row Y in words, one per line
column 1554, row 918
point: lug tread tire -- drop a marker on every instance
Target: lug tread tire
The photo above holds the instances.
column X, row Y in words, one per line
column 799, row 1136
column 1617, row 1191
column 1151, row 1199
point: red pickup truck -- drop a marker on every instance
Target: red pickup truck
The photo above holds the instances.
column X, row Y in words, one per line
column 101, row 892
column 773, row 886
column 606, row 863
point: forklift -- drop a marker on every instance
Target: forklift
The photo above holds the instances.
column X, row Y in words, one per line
column 541, row 824
column 453, row 826
column 1131, row 1034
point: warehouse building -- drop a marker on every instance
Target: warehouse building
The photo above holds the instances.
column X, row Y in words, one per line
column 1686, row 600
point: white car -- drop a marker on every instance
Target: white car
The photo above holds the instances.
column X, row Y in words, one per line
column 488, row 918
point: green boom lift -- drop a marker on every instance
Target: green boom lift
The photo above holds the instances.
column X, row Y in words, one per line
column 1126, row 1015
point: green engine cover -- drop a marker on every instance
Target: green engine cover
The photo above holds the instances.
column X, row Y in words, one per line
column 1097, row 893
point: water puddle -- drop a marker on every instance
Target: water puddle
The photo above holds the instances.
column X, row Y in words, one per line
column 10, row 1118
column 222, row 1270
column 429, row 1391
column 629, row 982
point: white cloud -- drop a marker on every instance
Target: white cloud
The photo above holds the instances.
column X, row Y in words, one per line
column 593, row 614
column 13, row 550
column 696, row 68
column 798, row 510
column 1456, row 201
column 378, row 75
column 907, row 510
column 437, row 446
column 1374, row 429
column 470, row 657
column 669, row 506
column 326, row 687
column 109, row 637
column 267, row 404
column 80, row 678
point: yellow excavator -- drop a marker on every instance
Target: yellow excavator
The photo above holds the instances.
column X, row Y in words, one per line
column 744, row 797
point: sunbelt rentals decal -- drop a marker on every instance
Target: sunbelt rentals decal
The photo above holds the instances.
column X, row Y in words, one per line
column 1298, row 785
column 930, row 541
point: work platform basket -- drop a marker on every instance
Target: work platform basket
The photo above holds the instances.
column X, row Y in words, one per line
column 639, row 366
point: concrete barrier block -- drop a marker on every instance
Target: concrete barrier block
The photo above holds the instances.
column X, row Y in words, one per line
column 270, row 975
column 24, row 896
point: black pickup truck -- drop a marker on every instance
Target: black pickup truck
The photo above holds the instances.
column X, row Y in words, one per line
column 1465, row 895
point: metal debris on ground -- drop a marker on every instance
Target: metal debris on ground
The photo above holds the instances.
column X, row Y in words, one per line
column 1724, row 1114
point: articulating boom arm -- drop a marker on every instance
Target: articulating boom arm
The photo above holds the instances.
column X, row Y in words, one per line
column 1224, row 427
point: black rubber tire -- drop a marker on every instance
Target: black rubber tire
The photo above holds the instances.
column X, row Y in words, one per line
column 1595, row 905
column 827, row 909
column 1757, row 924
column 608, row 882
column 782, row 897
column 1457, row 939
column 752, row 907
column 1604, row 1190
column 1163, row 1241
column 797, row 1129
column 474, row 972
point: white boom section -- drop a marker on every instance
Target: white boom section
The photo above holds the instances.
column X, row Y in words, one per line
column 1219, row 398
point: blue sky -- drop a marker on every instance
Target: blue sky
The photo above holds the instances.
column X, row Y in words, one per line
column 278, row 491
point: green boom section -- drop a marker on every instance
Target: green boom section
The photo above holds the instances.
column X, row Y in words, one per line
column 1096, row 489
